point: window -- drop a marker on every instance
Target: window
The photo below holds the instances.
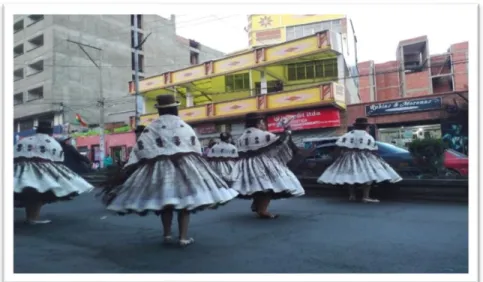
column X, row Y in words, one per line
column 35, row 68
column 36, row 42
column 33, row 19
column 18, row 99
column 35, row 94
column 18, row 74
column 140, row 62
column 18, row 50
column 140, row 39
column 194, row 58
column 140, row 77
column 26, row 124
column 18, row 26
column 311, row 70
column 237, row 82
column 140, row 21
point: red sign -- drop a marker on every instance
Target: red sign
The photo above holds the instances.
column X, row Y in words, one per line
column 206, row 128
column 305, row 120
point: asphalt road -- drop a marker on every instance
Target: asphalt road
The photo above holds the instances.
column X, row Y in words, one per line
column 313, row 235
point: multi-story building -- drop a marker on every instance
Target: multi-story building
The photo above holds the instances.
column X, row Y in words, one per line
column 56, row 79
column 270, row 29
column 297, row 78
column 418, row 95
column 415, row 72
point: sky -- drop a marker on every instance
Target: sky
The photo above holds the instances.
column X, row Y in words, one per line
column 378, row 31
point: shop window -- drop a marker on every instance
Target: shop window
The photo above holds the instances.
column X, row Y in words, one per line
column 312, row 70
column 237, row 82
column 26, row 124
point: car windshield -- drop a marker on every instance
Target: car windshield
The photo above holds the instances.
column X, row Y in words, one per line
column 387, row 148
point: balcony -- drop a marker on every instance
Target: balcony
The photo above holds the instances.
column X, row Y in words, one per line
column 288, row 66
column 326, row 94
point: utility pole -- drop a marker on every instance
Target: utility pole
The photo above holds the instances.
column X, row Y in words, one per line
column 137, row 47
column 101, row 95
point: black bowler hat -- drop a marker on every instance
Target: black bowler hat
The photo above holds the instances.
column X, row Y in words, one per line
column 139, row 129
column 362, row 121
column 254, row 116
column 166, row 101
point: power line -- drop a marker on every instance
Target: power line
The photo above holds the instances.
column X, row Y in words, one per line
column 128, row 98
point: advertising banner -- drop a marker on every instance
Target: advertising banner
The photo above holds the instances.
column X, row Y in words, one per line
column 311, row 119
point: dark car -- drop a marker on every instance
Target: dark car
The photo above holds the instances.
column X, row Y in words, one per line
column 325, row 152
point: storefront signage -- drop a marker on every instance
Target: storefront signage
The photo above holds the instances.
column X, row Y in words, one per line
column 203, row 129
column 301, row 120
column 407, row 106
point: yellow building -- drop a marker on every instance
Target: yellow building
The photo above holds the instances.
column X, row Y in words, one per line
column 270, row 29
column 302, row 78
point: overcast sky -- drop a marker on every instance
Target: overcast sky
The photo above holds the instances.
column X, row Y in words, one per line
column 378, row 32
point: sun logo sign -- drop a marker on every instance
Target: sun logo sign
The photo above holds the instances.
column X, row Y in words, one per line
column 265, row 21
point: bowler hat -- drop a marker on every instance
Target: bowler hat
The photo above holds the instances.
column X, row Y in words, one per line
column 166, row 101
column 139, row 129
column 254, row 116
column 361, row 121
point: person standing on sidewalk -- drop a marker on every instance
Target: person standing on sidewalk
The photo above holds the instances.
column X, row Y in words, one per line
column 358, row 163
column 223, row 156
column 166, row 173
column 40, row 176
column 262, row 173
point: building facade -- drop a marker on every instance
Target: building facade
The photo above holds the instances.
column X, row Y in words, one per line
column 55, row 79
column 415, row 72
column 418, row 95
column 268, row 29
column 295, row 79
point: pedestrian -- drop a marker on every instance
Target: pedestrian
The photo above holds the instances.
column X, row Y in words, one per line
column 262, row 173
column 166, row 173
column 108, row 162
column 223, row 156
column 211, row 143
column 40, row 176
column 358, row 163
column 74, row 160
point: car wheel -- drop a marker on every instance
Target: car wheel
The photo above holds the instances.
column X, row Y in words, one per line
column 453, row 173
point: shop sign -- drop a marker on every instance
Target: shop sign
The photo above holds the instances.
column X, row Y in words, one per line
column 203, row 129
column 406, row 106
column 301, row 120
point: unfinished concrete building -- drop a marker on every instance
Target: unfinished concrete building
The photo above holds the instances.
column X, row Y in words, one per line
column 415, row 72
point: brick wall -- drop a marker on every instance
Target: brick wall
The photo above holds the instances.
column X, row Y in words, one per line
column 365, row 80
column 459, row 52
column 387, row 81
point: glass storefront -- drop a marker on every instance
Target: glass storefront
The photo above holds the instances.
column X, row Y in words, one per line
column 402, row 136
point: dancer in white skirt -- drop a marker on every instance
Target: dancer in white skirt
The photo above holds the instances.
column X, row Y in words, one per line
column 166, row 172
column 262, row 173
column 358, row 163
column 40, row 176
column 223, row 156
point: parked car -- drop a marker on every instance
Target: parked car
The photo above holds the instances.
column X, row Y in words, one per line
column 325, row 152
column 456, row 162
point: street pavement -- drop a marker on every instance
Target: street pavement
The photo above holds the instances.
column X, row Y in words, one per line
column 313, row 235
